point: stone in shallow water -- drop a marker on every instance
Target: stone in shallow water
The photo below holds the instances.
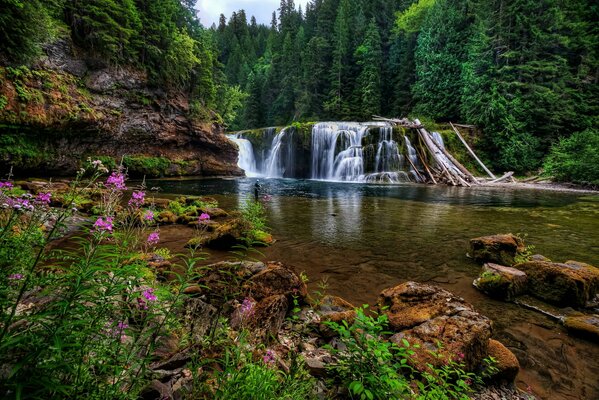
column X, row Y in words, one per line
column 586, row 326
column 501, row 282
column 569, row 284
column 500, row 249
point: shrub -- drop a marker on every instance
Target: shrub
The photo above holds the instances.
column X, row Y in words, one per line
column 148, row 166
column 576, row 159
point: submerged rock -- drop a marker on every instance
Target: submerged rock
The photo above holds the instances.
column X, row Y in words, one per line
column 500, row 249
column 586, row 326
column 563, row 284
column 501, row 282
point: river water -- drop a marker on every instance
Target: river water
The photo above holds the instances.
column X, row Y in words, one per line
column 362, row 238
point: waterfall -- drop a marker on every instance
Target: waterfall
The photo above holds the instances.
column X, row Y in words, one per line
column 337, row 152
column 413, row 158
column 275, row 164
column 388, row 161
column 246, row 160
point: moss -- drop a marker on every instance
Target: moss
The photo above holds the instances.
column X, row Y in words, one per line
column 148, row 166
column 21, row 150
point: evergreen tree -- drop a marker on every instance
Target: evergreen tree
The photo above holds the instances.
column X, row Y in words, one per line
column 369, row 57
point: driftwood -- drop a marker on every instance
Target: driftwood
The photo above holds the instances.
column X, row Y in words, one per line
column 438, row 165
column 472, row 152
column 504, row 177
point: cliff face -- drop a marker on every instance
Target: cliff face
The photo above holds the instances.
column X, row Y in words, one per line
column 66, row 108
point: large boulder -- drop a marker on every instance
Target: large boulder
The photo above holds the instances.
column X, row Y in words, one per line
column 264, row 318
column 501, row 282
column 442, row 325
column 562, row 284
column 411, row 304
column 198, row 318
column 499, row 249
column 227, row 235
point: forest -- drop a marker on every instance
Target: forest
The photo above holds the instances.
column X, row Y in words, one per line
column 524, row 72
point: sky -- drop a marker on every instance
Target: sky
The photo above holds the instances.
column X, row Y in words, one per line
column 210, row 10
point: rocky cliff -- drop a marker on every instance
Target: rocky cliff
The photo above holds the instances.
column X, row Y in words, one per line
column 67, row 108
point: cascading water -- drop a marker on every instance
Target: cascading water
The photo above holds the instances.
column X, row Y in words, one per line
column 334, row 151
column 246, row 160
column 388, row 163
column 413, row 159
column 337, row 152
column 275, row 163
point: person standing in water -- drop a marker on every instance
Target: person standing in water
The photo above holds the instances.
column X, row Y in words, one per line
column 257, row 191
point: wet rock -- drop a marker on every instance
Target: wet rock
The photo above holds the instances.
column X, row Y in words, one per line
column 563, row 284
column 276, row 279
column 227, row 235
column 269, row 316
column 507, row 363
column 500, row 249
column 411, row 304
column 198, row 317
column 462, row 337
column 263, row 238
column 215, row 213
column 586, row 326
column 539, row 257
column 501, row 282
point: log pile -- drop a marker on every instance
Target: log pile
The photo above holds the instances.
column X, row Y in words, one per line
column 437, row 164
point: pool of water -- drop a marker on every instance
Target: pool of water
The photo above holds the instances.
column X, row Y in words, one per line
column 363, row 238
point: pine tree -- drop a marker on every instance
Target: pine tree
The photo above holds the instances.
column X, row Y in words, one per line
column 369, row 57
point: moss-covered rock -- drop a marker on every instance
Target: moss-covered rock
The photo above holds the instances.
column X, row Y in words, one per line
column 499, row 249
column 586, row 326
column 562, row 284
column 501, row 282
column 506, row 362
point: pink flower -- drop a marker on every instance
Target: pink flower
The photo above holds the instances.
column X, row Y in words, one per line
column 153, row 238
column 267, row 198
column 247, row 308
column 43, row 198
column 116, row 181
column 117, row 331
column 149, row 294
column 269, row 357
column 102, row 225
column 204, row 217
column 15, row 277
column 137, row 199
column 6, row 185
column 149, row 215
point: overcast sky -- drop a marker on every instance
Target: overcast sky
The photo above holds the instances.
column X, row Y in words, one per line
column 210, row 10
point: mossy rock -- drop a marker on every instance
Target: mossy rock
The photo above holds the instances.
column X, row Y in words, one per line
column 568, row 284
column 167, row 217
column 586, row 326
column 499, row 249
column 263, row 238
column 507, row 363
column 504, row 283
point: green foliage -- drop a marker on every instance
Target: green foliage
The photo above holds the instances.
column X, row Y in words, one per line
column 21, row 150
column 253, row 213
column 3, row 102
column 576, row 158
column 375, row 368
column 411, row 20
column 148, row 166
column 371, row 368
column 243, row 378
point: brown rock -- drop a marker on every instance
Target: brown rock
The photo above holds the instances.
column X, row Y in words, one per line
column 198, row 317
column 501, row 282
column 572, row 284
column 167, row 217
column 586, row 326
column 227, row 235
column 507, row 363
column 500, row 249
column 462, row 337
column 411, row 304
column 276, row 279
column 265, row 317
column 334, row 309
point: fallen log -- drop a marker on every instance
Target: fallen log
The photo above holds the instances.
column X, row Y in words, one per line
column 504, row 177
column 472, row 152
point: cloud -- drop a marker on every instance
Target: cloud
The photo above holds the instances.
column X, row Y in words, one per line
column 210, row 10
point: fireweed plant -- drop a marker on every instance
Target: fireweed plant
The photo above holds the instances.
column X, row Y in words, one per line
column 84, row 322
